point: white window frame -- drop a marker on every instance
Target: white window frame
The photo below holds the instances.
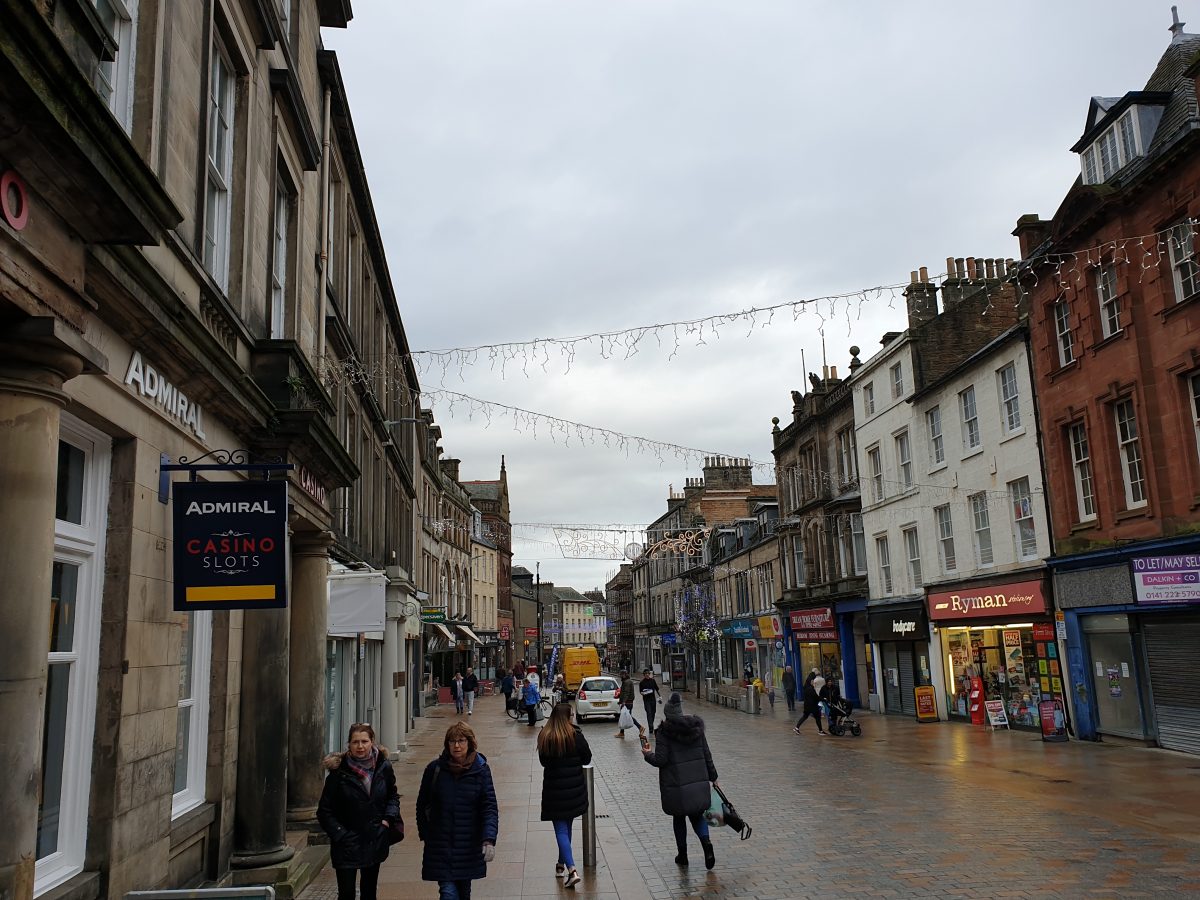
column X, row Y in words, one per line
column 196, row 706
column 799, row 564
column 1185, row 271
column 912, row 548
column 883, row 556
column 847, row 461
column 869, row 398
column 1133, row 474
column 1113, row 149
column 1062, row 327
column 981, row 529
column 937, row 443
column 218, row 182
column 858, row 538
column 1081, row 467
column 947, row 557
column 1021, row 497
column 1109, row 299
column 897, row 373
column 972, row 439
column 1010, row 398
column 116, row 77
column 875, row 458
column 904, row 459
column 279, row 264
column 81, row 545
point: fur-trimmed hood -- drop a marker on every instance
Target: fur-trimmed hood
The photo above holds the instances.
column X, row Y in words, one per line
column 685, row 729
column 334, row 760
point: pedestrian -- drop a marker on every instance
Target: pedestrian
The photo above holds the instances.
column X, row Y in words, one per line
column 359, row 803
column 685, row 776
column 507, row 686
column 518, row 670
column 563, row 752
column 532, row 696
column 627, row 694
column 651, row 696
column 457, row 815
column 470, row 685
column 789, row 687
column 456, row 691
column 811, row 698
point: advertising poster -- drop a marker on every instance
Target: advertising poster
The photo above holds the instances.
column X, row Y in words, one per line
column 1166, row 579
column 1014, row 658
column 1043, row 668
column 1054, row 667
column 1045, row 685
column 1057, row 683
column 997, row 717
column 926, row 703
column 1114, row 682
column 1041, row 649
column 1051, row 651
column 230, row 545
column 1053, row 720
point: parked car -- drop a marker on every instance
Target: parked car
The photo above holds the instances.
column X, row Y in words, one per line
column 600, row 696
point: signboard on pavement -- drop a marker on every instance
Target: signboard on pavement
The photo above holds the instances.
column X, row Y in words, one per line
column 926, row 703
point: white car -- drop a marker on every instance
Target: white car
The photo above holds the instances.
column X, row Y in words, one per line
column 598, row 696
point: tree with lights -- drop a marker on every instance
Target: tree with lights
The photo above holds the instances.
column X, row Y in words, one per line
column 696, row 625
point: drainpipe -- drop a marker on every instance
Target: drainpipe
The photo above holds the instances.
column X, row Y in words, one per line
column 324, row 236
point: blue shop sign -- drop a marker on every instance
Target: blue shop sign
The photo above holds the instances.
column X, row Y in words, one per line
column 739, row 628
column 668, row 640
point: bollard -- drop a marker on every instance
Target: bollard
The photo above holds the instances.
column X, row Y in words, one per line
column 752, row 700
column 589, row 818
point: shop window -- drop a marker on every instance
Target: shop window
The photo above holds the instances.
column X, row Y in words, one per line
column 982, row 522
column 191, row 731
column 1062, row 326
column 933, row 425
column 1025, row 533
column 1184, row 269
column 971, row 437
column 1130, row 448
column 1010, row 400
column 1081, row 465
column 884, row 557
column 945, row 528
column 76, row 582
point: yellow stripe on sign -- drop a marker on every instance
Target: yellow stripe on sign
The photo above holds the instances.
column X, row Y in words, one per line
column 230, row 593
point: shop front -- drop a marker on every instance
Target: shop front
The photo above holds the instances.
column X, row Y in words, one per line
column 770, row 654
column 734, row 658
column 998, row 638
column 900, row 633
column 817, row 644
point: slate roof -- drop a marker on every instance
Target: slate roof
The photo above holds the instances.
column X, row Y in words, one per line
column 569, row 594
column 484, row 490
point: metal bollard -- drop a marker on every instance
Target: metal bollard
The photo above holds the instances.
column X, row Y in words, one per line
column 589, row 818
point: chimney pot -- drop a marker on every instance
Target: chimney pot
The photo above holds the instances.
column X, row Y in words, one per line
column 912, row 277
column 833, row 372
column 924, row 274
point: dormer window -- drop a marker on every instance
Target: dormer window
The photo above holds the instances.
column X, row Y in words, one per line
column 1116, row 147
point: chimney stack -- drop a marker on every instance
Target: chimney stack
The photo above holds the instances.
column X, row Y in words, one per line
column 921, row 297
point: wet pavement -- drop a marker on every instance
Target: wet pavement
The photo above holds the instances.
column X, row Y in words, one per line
column 905, row 810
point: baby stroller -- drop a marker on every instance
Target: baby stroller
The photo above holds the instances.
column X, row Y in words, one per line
column 841, row 718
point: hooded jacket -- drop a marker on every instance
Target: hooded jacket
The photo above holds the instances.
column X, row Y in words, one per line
column 685, row 765
column 455, row 816
column 351, row 816
column 564, row 790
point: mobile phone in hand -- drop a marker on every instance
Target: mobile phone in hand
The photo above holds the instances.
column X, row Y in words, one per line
column 645, row 742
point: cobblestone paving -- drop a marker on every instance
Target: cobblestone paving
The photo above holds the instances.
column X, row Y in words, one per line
column 908, row 810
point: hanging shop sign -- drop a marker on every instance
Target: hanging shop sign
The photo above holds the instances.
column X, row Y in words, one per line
column 1019, row 598
column 909, row 624
column 669, row 640
column 751, row 644
column 230, row 545
column 926, row 699
column 504, row 632
column 813, row 624
column 530, row 632
column 174, row 403
column 769, row 626
column 433, row 614
column 1166, row 579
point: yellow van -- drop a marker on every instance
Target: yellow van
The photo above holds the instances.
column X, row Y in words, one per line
column 579, row 663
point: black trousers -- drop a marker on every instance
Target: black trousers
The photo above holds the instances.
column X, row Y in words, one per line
column 531, row 708
column 651, row 705
column 366, row 887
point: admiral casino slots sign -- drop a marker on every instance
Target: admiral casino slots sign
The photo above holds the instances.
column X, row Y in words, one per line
column 230, row 545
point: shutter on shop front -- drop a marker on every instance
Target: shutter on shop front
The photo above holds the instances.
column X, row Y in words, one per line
column 908, row 700
column 1172, row 649
column 891, row 694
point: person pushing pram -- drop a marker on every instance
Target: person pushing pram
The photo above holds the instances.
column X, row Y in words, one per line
column 838, row 710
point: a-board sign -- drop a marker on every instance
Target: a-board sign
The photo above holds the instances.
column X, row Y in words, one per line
column 1053, row 719
column 997, row 717
column 926, row 703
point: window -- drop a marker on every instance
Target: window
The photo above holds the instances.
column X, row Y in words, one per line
column 1195, row 383
column 1026, row 532
column 114, row 78
column 279, row 263
column 982, row 523
column 897, row 381
column 937, row 448
column 1062, row 324
column 847, row 465
column 912, row 546
column 1081, row 464
column 219, row 171
column 860, row 544
column 799, row 569
column 885, row 563
column 904, row 459
column 1010, row 401
column 191, row 730
column 945, row 529
column 1131, row 454
column 869, row 398
column 76, row 583
column 970, row 420
column 1183, row 261
column 876, row 461
column 1112, row 150
column 1110, row 303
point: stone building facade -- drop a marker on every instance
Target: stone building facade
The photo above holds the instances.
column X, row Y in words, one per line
column 618, row 593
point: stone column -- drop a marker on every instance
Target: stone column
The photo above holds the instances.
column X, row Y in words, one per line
column 306, row 677
column 32, row 375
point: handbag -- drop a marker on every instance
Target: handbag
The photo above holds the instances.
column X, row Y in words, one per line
column 731, row 817
column 715, row 814
column 625, row 719
column 395, row 830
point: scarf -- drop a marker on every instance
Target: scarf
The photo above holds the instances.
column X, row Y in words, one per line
column 459, row 770
column 364, row 769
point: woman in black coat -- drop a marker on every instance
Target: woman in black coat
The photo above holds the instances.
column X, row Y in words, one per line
column 563, row 752
column 685, row 775
column 359, row 802
column 457, row 815
column 812, row 700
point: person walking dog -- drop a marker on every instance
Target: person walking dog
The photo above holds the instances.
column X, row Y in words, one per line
column 470, row 685
column 359, row 804
column 685, row 775
column 458, row 818
column 563, row 752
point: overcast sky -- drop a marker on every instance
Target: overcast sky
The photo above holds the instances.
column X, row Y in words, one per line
column 567, row 167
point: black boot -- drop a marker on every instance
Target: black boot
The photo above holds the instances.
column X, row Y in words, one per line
column 710, row 858
column 681, row 858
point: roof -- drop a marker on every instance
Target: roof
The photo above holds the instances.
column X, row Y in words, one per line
column 569, row 594
column 484, row 490
column 520, row 570
column 1169, row 75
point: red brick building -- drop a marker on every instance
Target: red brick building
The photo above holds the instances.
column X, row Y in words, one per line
column 1114, row 290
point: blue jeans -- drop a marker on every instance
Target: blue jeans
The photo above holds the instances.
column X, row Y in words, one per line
column 454, row 890
column 562, row 833
column 699, row 825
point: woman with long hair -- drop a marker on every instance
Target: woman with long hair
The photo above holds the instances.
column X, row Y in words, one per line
column 563, row 752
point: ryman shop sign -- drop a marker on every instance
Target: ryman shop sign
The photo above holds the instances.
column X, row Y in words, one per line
column 230, row 545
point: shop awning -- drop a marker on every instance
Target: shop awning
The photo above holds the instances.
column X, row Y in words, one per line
column 441, row 629
column 356, row 602
column 468, row 633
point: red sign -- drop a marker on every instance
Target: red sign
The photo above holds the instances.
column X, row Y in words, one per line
column 530, row 632
column 926, row 704
column 1043, row 631
column 504, row 632
column 811, row 619
column 1053, row 720
column 1020, row 598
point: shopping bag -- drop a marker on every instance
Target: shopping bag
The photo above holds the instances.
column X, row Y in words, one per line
column 539, row 715
column 625, row 720
column 731, row 817
column 715, row 814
